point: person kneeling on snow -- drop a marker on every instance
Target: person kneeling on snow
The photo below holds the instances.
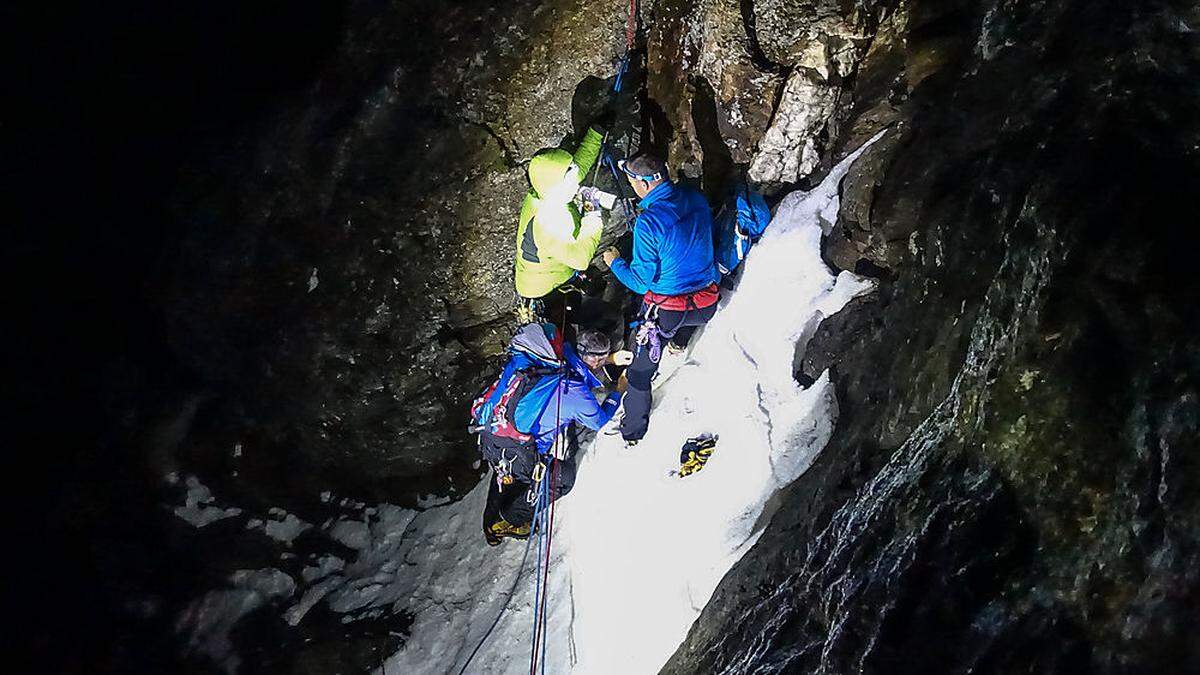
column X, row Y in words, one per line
column 672, row 268
column 524, row 418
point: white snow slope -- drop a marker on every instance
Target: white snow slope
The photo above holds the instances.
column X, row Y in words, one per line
column 637, row 551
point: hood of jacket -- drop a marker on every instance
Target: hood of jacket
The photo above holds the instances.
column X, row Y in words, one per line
column 547, row 170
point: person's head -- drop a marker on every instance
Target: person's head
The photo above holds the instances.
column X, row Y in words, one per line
column 593, row 347
column 644, row 173
column 554, row 175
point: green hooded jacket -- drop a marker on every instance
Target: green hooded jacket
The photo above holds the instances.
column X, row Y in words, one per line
column 553, row 241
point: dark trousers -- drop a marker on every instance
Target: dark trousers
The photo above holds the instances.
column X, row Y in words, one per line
column 676, row 326
column 512, row 503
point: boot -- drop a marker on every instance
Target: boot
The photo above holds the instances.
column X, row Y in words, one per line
column 503, row 528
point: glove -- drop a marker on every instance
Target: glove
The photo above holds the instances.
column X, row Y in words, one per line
column 611, row 403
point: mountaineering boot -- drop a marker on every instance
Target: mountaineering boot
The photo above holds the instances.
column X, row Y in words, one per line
column 491, row 539
column 695, row 454
column 503, row 529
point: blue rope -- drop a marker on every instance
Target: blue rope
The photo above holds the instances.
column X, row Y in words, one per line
column 541, row 507
column 538, row 518
column 621, row 72
column 496, row 621
column 545, row 521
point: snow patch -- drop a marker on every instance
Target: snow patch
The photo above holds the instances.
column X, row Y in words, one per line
column 198, row 508
column 287, row 529
column 209, row 620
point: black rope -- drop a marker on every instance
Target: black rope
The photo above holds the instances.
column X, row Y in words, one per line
column 511, row 591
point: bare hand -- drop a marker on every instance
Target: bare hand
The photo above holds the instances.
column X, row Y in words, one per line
column 610, row 254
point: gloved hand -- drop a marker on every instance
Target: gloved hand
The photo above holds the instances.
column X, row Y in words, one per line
column 591, row 221
column 611, row 403
column 622, row 358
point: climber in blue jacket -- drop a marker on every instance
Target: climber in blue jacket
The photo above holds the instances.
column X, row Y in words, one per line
column 673, row 269
column 546, row 387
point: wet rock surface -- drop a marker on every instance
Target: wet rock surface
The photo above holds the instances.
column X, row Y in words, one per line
column 1007, row 490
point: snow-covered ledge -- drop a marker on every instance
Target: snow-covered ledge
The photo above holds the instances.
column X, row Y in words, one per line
column 637, row 551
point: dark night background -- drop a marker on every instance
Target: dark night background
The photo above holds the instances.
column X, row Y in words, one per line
column 111, row 100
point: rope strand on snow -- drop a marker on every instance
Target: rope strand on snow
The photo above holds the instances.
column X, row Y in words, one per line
column 511, row 591
column 545, row 525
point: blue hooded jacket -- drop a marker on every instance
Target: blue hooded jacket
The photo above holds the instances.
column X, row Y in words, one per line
column 540, row 408
column 577, row 403
column 672, row 244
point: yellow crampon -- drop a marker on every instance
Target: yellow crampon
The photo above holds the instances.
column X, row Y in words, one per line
column 695, row 455
column 505, row 529
column 526, row 312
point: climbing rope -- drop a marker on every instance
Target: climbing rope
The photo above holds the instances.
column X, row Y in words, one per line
column 496, row 621
column 545, row 528
column 618, row 82
column 541, row 572
column 547, row 504
column 544, row 506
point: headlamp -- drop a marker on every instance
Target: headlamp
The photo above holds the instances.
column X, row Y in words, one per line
column 622, row 165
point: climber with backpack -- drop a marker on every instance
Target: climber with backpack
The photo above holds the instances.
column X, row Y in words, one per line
column 672, row 267
column 526, row 417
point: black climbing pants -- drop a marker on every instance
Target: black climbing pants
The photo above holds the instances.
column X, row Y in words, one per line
column 512, row 503
column 676, row 326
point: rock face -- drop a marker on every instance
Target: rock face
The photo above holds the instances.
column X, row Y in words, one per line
column 341, row 289
column 1011, row 486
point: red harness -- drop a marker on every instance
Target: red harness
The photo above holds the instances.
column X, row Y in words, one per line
column 705, row 297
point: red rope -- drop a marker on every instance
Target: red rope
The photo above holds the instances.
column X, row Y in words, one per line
column 631, row 25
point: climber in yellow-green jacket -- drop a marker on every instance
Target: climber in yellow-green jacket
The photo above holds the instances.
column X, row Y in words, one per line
column 555, row 240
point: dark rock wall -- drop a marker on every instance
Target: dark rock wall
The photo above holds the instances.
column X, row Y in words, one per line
column 346, row 272
column 1011, row 485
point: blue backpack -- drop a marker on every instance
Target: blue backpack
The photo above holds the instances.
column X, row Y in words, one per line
column 739, row 224
column 511, row 405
